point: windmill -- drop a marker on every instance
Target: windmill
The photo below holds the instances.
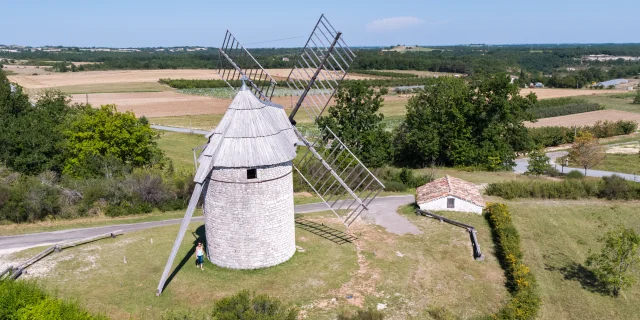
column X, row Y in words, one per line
column 245, row 171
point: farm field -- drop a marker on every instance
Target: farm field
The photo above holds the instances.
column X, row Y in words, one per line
column 548, row 93
column 404, row 274
column 584, row 119
column 556, row 238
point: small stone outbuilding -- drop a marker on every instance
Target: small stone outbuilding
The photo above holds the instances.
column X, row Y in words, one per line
column 450, row 194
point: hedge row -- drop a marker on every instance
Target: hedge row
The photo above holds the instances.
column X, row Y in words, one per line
column 564, row 110
column 26, row 300
column 566, row 189
column 197, row 84
column 386, row 73
column 555, row 136
column 525, row 301
column 613, row 187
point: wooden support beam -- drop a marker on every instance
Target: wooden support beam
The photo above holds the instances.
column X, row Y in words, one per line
column 477, row 254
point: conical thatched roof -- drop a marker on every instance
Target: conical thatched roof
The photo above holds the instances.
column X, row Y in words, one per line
column 252, row 133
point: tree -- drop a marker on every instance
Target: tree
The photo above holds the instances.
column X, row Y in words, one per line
column 636, row 100
column 31, row 135
column 456, row 124
column 586, row 151
column 356, row 121
column 101, row 141
column 615, row 264
column 538, row 162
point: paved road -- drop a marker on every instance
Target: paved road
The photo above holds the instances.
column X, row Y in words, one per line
column 382, row 211
column 176, row 129
column 521, row 167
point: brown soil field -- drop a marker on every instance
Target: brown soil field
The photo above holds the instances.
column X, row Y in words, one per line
column 55, row 79
column 547, row 93
column 584, row 119
column 163, row 104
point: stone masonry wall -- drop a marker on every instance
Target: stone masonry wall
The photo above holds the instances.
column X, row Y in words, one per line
column 250, row 225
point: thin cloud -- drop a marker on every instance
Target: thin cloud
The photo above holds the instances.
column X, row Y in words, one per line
column 393, row 24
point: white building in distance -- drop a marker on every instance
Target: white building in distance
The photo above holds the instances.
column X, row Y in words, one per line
column 450, row 194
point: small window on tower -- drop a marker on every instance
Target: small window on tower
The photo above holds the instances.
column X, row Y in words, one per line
column 451, row 203
column 252, row 173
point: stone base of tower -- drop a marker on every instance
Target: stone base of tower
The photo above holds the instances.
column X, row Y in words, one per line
column 250, row 223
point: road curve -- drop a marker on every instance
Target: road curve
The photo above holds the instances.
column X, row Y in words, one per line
column 380, row 208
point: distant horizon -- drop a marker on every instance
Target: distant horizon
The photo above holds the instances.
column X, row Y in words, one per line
column 288, row 23
column 360, row 46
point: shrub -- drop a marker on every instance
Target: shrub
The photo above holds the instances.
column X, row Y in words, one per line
column 567, row 189
column 575, row 174
column 394, row 186
column 369, row 314
column 245, row 306
column 26, row 300
column 615, row 187
column 525, row 301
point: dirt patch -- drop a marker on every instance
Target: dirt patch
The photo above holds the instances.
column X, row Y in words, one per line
column 632, row 148
column 547, row 93
column 585, row 119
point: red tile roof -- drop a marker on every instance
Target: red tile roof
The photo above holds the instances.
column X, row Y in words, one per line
column 449, row 186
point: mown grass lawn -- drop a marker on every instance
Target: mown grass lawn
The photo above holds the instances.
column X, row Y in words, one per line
column 557, row 237
column 408, row 273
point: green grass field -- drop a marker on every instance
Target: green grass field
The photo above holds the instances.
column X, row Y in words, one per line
column 409, row 273
column 178, row 147
column 622, row 102
column 123, row 87
column 556, row 239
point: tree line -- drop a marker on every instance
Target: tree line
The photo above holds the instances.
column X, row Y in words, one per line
column 64, row 160
column 450, row 123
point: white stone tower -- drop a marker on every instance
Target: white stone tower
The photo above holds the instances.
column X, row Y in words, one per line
column 248, row 202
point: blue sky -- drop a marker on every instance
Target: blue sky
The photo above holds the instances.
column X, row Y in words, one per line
column 138, row 23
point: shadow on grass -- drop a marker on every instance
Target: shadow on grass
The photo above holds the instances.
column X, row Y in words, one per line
column 577, row 272
column 198, row 236
column 333, row 235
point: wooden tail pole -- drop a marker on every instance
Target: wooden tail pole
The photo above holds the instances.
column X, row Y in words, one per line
column 477, row 254
column 195, row 197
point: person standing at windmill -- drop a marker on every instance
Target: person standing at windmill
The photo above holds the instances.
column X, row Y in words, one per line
column 200, row 256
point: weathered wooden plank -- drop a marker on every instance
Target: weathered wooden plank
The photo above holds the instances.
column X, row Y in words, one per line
column 6, row 271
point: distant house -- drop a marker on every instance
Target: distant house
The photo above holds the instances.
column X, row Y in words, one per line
column 285, row 59
column 450, row 194
column 539, row 85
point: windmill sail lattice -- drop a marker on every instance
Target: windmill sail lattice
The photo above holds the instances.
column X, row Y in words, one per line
column 232, row 55
column 321, row 66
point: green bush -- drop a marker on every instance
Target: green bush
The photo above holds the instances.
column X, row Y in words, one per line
column 247, row 306
column 395, row 186
column 615, row 187
column 25, row 300
column 525, row 301
column 369, row 314
column 611, row 188
column 563, row 110
column 402, row 179
column 567, row 189
column 575, row 174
